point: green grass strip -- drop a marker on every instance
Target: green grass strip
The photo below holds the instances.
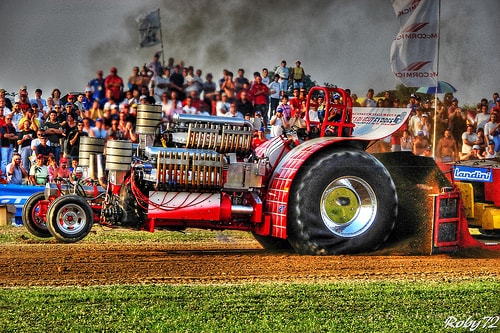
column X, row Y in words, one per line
column 334, row 307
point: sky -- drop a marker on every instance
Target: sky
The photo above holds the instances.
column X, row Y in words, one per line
column 61, row 43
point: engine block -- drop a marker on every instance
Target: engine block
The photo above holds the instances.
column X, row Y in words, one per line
column 195, row 170
column 223, row 134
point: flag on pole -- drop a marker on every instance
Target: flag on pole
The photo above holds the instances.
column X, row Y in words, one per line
column 149, row 26
column 414, row 51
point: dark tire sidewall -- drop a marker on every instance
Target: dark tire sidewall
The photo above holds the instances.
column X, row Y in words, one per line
column 307, row 232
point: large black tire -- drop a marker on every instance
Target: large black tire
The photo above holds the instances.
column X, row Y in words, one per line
column 341, row 202
column 69, row 218
column 32, row 219
column 273, row 243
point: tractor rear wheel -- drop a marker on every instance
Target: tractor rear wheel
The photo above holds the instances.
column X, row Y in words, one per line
column 341, row 202
column 33, row 217
column 69, row 218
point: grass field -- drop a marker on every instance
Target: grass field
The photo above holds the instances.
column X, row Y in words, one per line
column 354, row 306
column 339, row 307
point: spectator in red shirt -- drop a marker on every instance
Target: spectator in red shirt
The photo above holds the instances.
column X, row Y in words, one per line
column 260, row 94
column 114, row 83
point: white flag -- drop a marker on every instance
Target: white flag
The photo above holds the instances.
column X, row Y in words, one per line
column 149, row 26
column 414, row 51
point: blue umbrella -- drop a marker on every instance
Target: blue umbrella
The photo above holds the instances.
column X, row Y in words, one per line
column 442, row 88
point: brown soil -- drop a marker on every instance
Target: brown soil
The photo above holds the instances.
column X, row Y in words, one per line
column 223, row 260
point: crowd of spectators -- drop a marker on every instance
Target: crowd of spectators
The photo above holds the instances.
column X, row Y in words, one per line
column 40, row 136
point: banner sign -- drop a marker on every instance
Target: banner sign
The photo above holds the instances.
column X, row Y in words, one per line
column 17, row 195
column 462, row 172
column 414, row 51
column 377, row 123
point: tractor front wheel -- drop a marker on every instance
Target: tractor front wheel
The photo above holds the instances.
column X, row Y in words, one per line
column 69, row 218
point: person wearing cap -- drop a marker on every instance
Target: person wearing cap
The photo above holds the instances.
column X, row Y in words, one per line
column 37, row 112
column 23, row 91
column 420, row 144
column 453, row 107
column 428, row 109
column 39, row 173
column 222, row 107
column 62, row 171
column 278, row 122
column 23, row 99
column 43, row 148
column 8, row 102
column 29, row 115
column 257, row 121
column 426, row 125
column 88, row 100
column 413, row 103
column 143, row 99
column 49, row 107
column 469, row 139
column 490, row 151
column 474, row 154
column 97, row 86
column 259, row 138
column 98, row 131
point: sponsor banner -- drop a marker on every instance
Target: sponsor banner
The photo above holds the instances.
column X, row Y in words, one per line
column 414, row 51
column 149, row 26
column 461, row 172
column 377, row 123
column 17, row 195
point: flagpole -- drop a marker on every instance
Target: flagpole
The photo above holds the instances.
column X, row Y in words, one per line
column 437, row 83
column 161, row 41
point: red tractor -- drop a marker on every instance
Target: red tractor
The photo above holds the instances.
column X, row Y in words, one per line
column 314, row 189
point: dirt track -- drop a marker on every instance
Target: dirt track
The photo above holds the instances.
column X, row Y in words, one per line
column 219, row 261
